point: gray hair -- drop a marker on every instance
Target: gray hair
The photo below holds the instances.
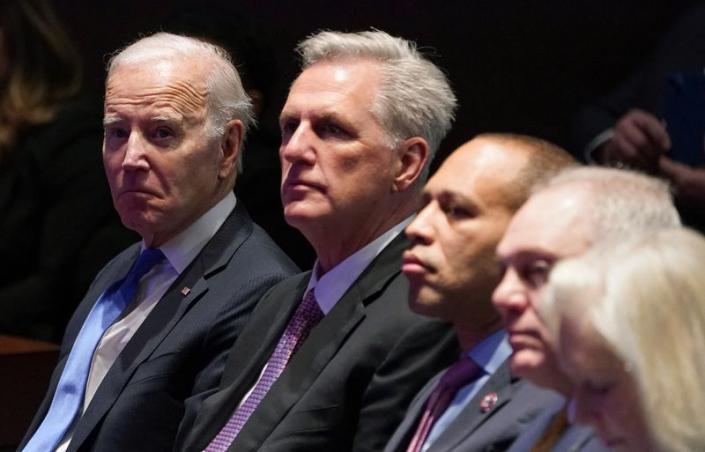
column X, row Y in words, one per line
column 649, row 308
column 624, row 201
column 227, row 99
column 415, row 97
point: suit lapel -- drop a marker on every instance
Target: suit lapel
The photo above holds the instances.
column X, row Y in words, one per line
column 473, row 415
column 164, row 317
column 247, row 358
column 407, row 428
column 320, row 348
column 116, row 270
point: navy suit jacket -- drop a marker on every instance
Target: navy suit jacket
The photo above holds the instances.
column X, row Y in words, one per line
column 180, row 350
column 348, row 385
column 575, row 438
column 477, row 429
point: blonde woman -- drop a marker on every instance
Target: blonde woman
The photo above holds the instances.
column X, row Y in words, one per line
column 629, row 321
column 57, row 227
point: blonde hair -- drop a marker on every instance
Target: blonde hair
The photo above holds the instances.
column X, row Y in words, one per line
column 44, row 68
column 651, row 312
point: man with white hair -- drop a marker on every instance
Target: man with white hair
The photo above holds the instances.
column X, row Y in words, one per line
column 331, row 358
column 157, row 322
column 573, row 211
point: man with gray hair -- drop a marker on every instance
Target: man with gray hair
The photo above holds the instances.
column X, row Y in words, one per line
column 331, row 358
column 570, row 213
column 159, row 319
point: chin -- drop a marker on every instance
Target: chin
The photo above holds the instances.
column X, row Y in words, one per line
column 298, row 213
column 526, row 364
column 424, row 303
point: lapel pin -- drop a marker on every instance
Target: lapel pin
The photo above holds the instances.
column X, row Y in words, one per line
column 488, row 402
column 185, row 291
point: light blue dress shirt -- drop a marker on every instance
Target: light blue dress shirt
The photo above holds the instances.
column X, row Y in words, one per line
column 489, row 355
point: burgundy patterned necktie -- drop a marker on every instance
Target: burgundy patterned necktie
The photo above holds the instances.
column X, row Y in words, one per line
column 458, row 375
column 307, row 315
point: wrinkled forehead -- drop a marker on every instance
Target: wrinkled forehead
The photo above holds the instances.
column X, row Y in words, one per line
column 179, row 84
column 554, row 222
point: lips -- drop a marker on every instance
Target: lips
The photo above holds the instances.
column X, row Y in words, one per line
column 301, row 184
column 523, row 339
column 137, row 192
column 413, row 266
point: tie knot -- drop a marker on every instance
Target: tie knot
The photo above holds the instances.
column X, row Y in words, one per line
column 309, row 308
column 147, row 260
column 461, row 373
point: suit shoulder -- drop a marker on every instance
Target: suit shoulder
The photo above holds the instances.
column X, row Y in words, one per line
column 260, row 250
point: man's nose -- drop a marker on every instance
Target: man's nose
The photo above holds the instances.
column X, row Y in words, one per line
column 421, row 229
column 299, row 145
column 135, row 153
column 509, row 294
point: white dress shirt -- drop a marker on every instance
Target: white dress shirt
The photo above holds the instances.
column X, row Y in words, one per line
column 331, row 286
column 180, row 251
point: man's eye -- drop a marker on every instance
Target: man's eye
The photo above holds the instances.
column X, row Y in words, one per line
column 163, row 132
column 116, row 132
column 455, row 211
column 537, row 272
column 288, row 127
column 334, row 129
column 330, row 129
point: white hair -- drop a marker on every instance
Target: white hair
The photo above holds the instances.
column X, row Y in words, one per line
column 227, row 99
column 415, row 97
column 651, row 312
column 624, row 201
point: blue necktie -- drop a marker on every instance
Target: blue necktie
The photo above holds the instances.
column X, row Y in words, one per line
column 68, row 396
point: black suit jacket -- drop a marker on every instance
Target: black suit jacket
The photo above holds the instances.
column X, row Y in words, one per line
column 350, row 382
column 180, row 350
column 477, row 429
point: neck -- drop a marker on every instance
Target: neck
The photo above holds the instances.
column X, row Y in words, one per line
column 334, row 243
column 471, row 335
column 159, row 238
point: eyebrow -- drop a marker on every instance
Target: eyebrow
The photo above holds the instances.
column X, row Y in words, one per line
column 447, row 195
column 115, row 119
column 530, row 254
column 166, row 118
column 110, row 120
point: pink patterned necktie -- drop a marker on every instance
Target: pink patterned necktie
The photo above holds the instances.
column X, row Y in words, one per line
column 307, row 315
column 458, row 375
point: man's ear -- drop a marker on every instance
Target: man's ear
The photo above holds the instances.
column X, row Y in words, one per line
column 230, row 146
column 413, row 155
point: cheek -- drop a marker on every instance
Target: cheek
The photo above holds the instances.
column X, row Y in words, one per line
column 371, row 166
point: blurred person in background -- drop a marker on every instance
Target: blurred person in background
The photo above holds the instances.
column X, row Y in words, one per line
column 630, row 323
column 57, row 225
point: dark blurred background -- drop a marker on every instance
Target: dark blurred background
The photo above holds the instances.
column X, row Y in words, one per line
column 521, row 66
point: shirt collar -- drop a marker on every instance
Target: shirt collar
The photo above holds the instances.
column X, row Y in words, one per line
column 184, row 248
column 331, row 287
column 491, row 352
